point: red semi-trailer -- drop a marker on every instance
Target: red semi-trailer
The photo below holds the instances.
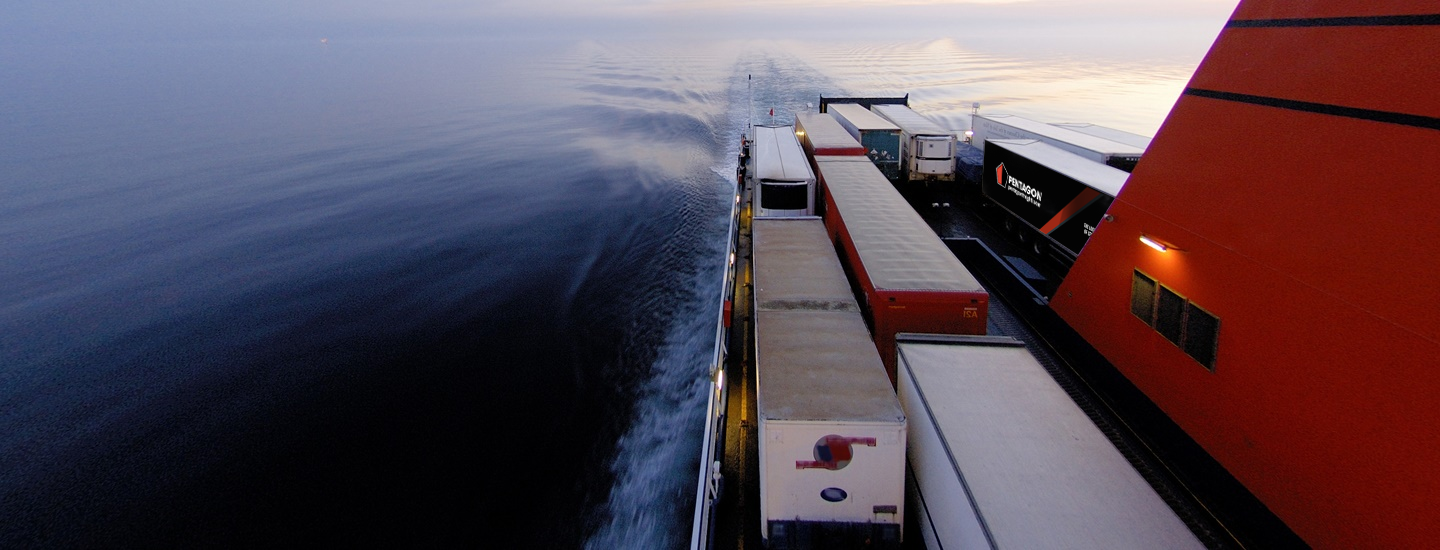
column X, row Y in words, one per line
column 820, row 135
column 908, row 280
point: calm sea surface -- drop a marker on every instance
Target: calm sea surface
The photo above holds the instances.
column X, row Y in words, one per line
column 433, row 292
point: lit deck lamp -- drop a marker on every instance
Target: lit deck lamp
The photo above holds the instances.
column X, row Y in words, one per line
column 970, row 133
column 1152, row 243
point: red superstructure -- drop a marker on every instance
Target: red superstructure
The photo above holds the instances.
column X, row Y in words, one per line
column 1291, row 325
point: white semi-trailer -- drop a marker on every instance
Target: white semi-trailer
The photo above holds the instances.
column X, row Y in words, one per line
column 1001, row 457
column 1088, row 142
column 832, row 433
column 1128, row 138
column 780, row 174
column 926, row 149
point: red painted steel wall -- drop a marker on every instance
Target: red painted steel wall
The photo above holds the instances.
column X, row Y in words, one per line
column 1312, row 236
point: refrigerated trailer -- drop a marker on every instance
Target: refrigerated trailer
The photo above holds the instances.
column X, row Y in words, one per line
column 1054, row 199
column 927, row 151
column 1001, row 457
column 831, row 430
column 1085, row 142
column 907, row 279
column 779, row 173
column 880, row 137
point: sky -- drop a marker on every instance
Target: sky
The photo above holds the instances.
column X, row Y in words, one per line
column 182, row 19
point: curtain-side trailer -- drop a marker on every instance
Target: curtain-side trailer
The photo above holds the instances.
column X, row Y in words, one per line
column 880, row 137
column 780, row 174
column 1055, row 199
column 1001, row 457
column 1090, row 143
column 926, row 149
column 831, row 431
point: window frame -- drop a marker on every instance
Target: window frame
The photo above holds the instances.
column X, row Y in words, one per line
column 1181, row 337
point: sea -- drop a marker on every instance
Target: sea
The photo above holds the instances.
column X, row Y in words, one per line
column 409, row 290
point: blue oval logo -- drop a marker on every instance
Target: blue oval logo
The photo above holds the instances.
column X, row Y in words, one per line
column 834, row 494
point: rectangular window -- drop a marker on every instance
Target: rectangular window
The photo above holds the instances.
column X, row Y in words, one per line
column 1170, row 315
column 1188, row 326
column 1202, row 334
column 1142, row 298
column 784, row 196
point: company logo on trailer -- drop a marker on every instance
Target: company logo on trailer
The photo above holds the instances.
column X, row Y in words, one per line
column 834, row 452
column 1019, row 188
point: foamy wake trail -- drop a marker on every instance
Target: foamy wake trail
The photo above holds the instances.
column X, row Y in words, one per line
column 652, row 499
column 657, row 461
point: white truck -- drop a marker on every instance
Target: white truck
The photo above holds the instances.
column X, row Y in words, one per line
column 1096, row 143
column 927, row 150
column 832, row 433
column 1001, row 457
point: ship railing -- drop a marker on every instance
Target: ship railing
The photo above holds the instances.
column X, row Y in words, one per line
column 710, row 483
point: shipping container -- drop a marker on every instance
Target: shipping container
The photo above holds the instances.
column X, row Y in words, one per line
column 1001, row 457
column 880, row 137
column 831, row 430
column 927, row 151
column 1086, row 144
column 908, row 280
column 780, row 174
column 1055, row 199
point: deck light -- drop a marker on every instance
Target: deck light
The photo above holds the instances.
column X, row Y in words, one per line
column 800, row 133
column 1153, row 243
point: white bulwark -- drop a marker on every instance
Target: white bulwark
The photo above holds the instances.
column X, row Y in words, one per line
column 783, row 182
column 1003, row 458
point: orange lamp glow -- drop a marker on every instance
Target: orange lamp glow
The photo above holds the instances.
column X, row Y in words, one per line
column 1153, row 243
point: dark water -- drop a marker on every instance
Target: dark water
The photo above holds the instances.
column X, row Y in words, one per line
column 394, row 292
column 379, row 292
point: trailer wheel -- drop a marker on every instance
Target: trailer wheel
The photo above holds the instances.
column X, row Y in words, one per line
column 1039, row 247
column 1009, row 225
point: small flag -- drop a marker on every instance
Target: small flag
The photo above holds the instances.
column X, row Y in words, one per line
column 772, row 111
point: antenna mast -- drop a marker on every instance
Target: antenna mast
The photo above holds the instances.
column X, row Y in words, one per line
column 750, row 117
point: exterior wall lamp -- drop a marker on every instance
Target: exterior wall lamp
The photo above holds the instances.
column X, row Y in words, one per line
column 1152, row 243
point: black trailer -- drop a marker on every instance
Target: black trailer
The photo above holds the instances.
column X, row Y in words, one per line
column 1055, row 199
